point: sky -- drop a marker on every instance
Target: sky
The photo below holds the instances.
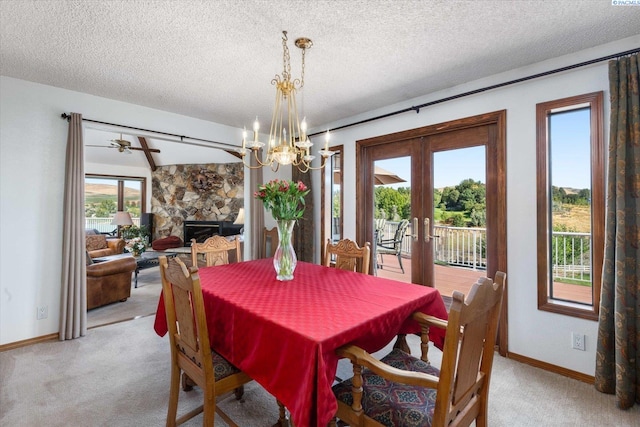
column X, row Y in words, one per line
column 571, row 165
column 570, row 140
column 450, row 167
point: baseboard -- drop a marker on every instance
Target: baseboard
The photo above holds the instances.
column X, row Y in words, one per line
column 589, row 379
column 23, row 343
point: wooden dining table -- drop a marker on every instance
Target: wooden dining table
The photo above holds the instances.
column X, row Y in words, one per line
column 284, row 334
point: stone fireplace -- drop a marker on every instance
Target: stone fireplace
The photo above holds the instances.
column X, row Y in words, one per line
column 201, row 230
column 206, row 194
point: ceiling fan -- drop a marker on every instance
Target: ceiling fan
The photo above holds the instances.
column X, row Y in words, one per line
column 124, row 146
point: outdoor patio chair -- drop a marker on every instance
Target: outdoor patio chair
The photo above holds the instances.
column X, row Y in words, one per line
column 393, row 246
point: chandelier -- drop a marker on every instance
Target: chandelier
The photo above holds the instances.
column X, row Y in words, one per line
column 288, row 142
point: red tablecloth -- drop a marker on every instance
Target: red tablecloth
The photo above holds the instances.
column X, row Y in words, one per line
column 284, row 334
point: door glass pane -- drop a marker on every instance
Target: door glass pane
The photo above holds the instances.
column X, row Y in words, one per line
column 392, row 212
column 570, row 192
column 336, row 198
column 459, row 218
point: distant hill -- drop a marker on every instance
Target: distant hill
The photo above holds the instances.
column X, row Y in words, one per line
column 570, row 190
column 93, row 190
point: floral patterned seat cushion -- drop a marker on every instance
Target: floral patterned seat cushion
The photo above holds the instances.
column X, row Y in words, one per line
column 390, row 403
column 221, row 367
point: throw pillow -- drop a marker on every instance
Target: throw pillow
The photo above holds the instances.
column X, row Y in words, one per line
column 89, row 259
column 95, row 242
column 166, row 243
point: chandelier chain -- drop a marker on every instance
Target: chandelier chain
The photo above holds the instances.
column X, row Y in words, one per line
column 302, row 74
column 286, row 58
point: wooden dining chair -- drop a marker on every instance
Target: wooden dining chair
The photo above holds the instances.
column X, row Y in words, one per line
column 191, row 353
column 269, row 242
column 455, row 395
column 216, row 250
column 347, row 255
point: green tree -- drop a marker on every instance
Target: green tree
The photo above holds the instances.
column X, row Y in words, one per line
column 106, row 208
column 457, row 220
column 450, row 196
column 478, row 218
column 392, row 201
column 336, row 204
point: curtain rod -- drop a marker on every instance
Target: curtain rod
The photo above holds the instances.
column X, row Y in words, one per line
column 182, row 137
column 417, row 108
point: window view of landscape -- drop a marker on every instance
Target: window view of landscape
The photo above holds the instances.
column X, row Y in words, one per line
column 570, row 182
column 103, row 200
column 459, row 216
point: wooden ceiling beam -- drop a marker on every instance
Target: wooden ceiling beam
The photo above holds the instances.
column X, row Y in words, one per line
column 147, row 153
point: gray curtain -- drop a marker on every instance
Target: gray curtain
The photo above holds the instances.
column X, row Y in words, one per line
column 73, row 305
column 257, row 209
column 303, row 242
column 617, row 363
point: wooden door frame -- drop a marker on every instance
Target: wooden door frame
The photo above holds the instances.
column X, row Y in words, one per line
column 495, row 176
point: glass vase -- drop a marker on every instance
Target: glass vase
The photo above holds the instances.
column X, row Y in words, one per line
column 284, row 259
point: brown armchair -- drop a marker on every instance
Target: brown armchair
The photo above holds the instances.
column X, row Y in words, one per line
column 99, row 246
column 109, row 281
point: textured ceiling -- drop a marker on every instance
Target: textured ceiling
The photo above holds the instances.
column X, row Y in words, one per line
column 214, row 60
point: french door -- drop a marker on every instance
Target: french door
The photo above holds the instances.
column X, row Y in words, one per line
column 453, row 175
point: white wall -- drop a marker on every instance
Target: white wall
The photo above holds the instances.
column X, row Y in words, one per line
column 532, row 333
column 33, row 141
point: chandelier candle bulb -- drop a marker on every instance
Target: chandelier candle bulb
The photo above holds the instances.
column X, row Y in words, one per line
column 244, row 138
column 256, row 128
column 303, row 129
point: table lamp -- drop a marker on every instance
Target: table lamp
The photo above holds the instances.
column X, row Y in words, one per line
column 121, row 218
column 240, row 220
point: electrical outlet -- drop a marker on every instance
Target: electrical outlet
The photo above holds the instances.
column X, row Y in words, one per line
column 577, row 341
column 43, row 312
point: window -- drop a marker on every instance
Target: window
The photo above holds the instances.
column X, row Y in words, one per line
column 104, row 195
column 570, row 204
column 332, row 197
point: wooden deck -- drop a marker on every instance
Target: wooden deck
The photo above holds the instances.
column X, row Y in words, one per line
column 449, row 279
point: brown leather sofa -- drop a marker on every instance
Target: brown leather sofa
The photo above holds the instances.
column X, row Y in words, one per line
column 109, row 281
column 99, row 246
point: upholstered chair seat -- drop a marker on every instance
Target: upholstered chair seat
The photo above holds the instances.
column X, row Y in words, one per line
column 391, row 403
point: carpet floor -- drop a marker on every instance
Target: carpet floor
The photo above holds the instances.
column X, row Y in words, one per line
column 118, row 375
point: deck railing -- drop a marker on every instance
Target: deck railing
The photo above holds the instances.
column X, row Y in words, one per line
column 466, row 247
column 103, row 225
